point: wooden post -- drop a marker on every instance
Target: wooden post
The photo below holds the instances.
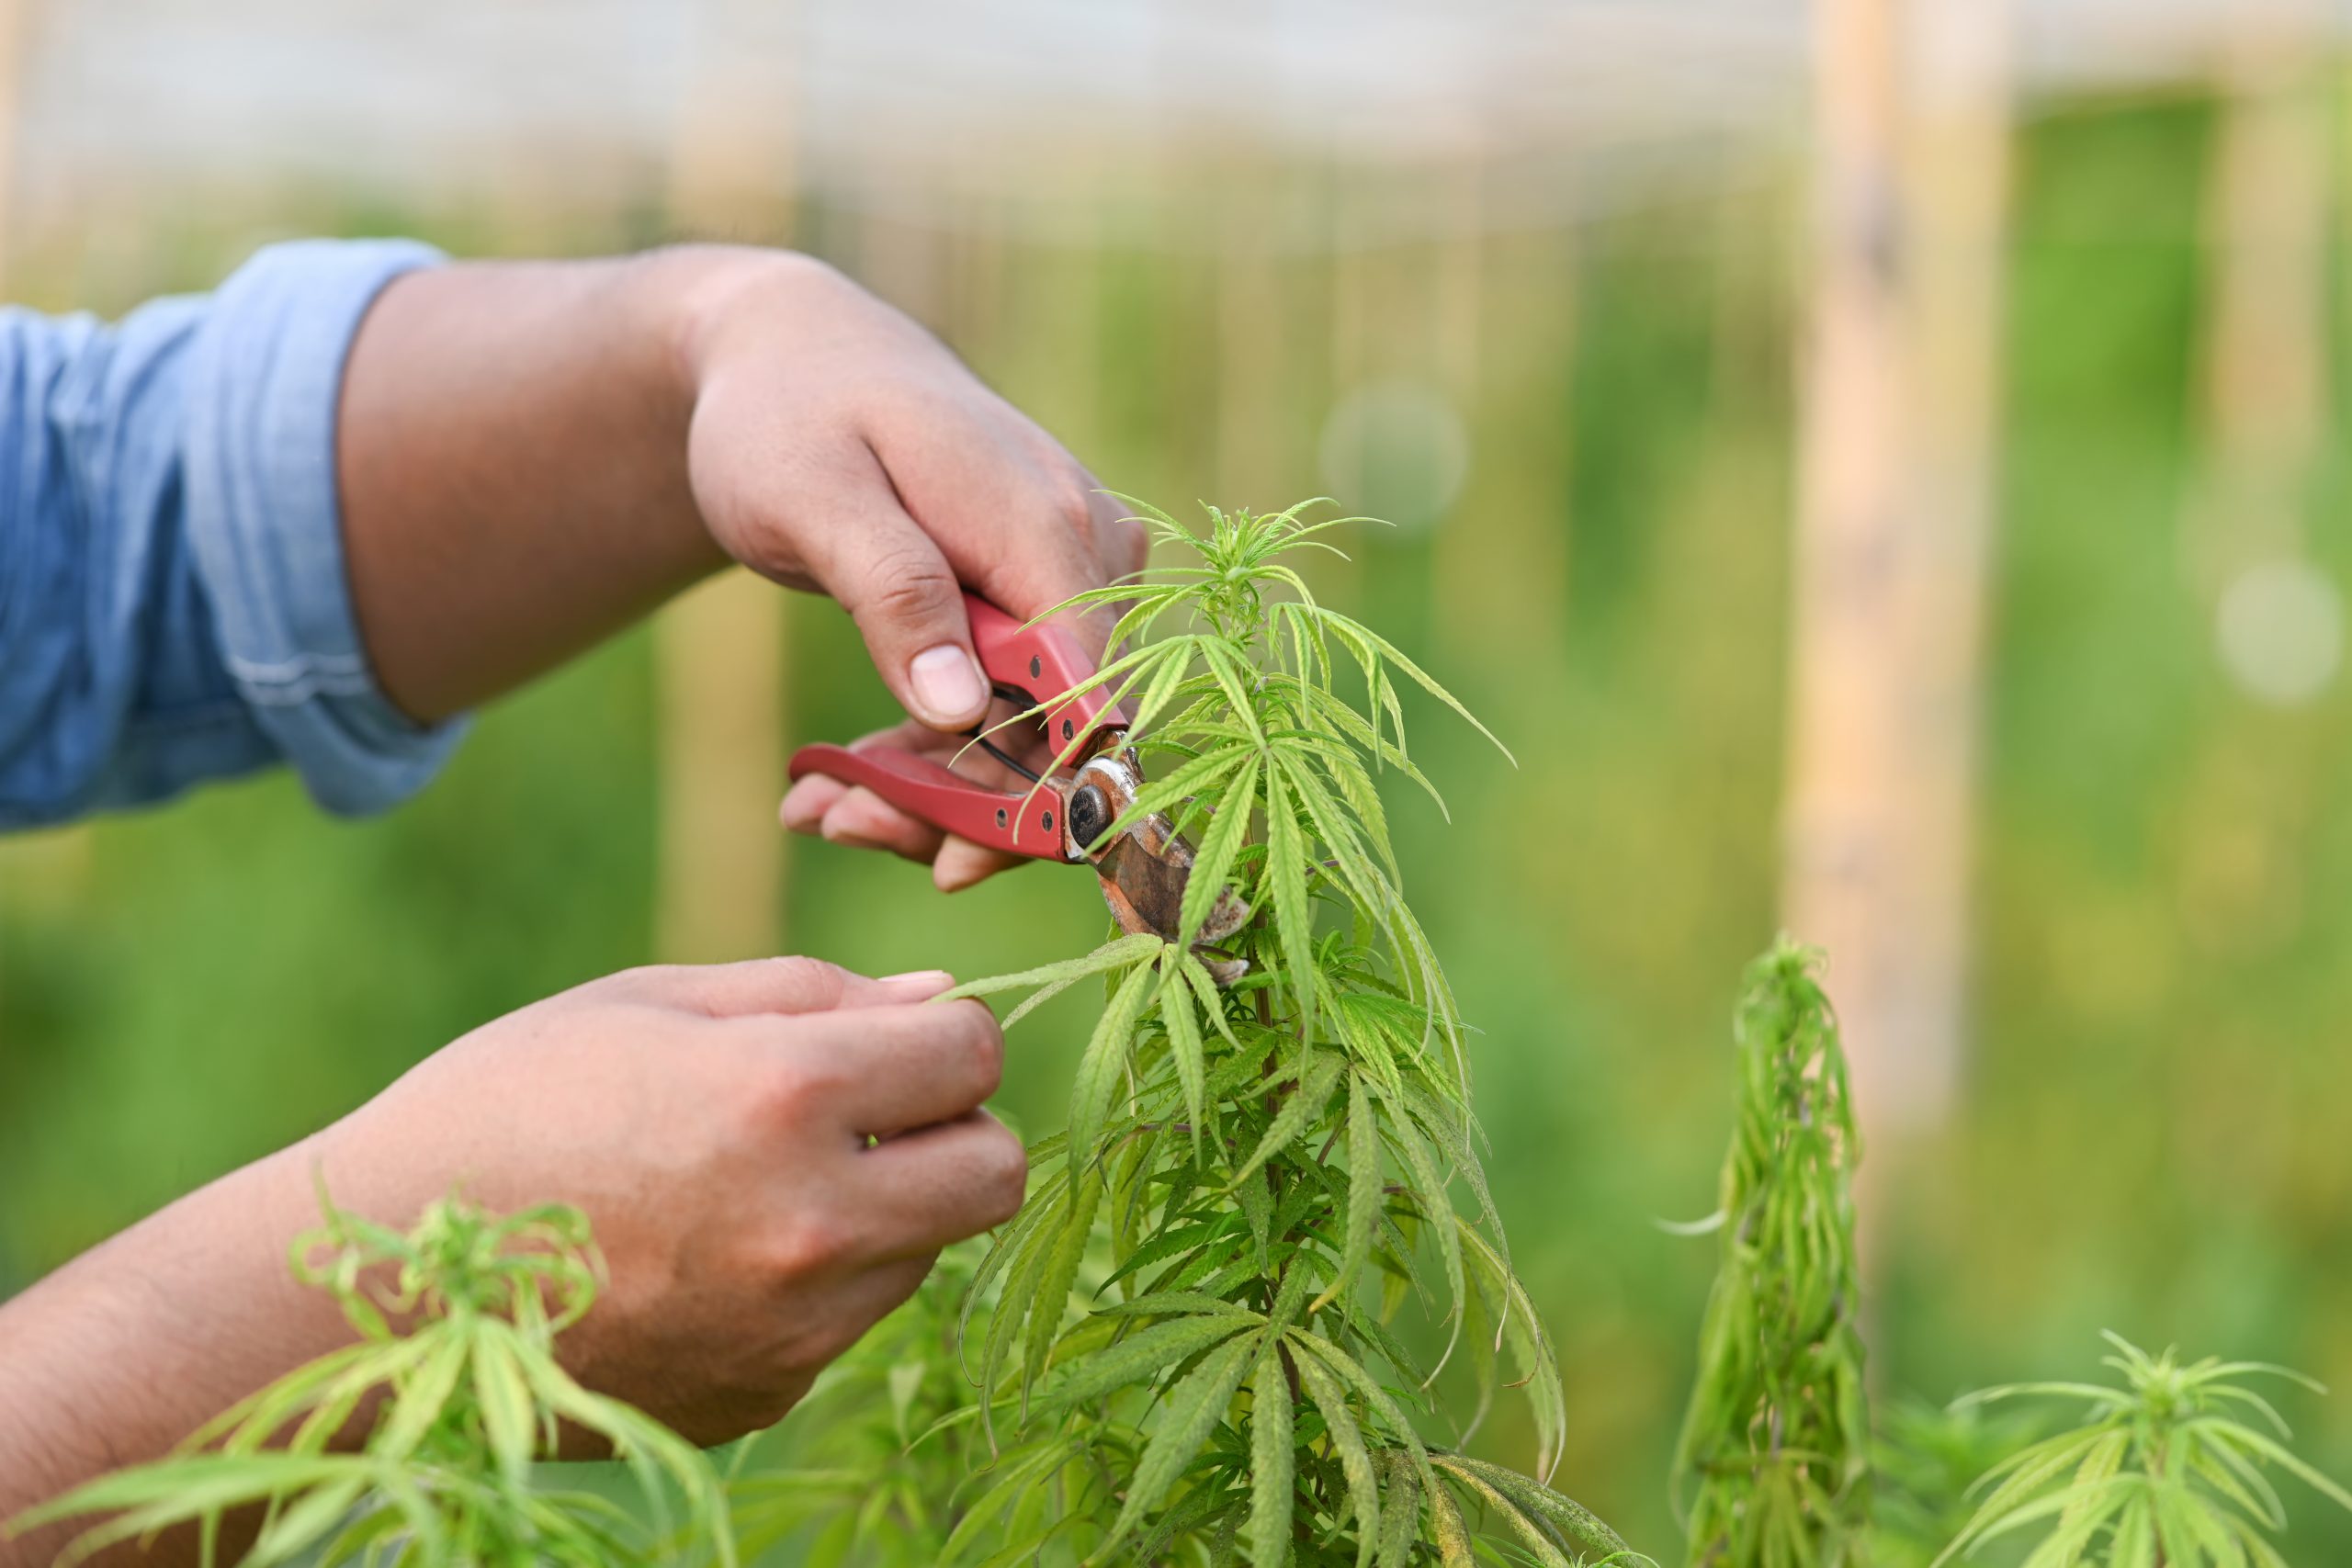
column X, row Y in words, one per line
column 1896, row 513
column 1852, row 866
column 2277, row 615
column 2265, row 365
column 719, row 650
column 1843, row 703
column 1957, row 163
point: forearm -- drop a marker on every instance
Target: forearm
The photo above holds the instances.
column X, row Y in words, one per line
column 512, row 451
column 120, row 1355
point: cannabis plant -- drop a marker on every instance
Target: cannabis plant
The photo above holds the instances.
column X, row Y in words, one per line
column 871, row 1470
column 455, row 1380
column 1773, row 1467
column 2168, row 1471
column 1187, row 1347
column 1925, row 1457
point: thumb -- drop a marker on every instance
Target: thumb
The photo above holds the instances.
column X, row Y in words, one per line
column 884, row 570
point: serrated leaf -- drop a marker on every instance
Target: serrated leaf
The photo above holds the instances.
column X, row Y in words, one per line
column 1046, row 1311
column 1330, row 1401
column 1136, row 1359
column 1273, row 1462
column 1428, row 1187
column 1400, row 1513
column 1105, row 1063
column 1184, row 1045
column 1294, row 917
column 1353, row 633
column 1220, row 845
column 1193, row 1408
column 1366, row 1197
column 1115, row 954
column 1448, row 1530
column 1564, row 1515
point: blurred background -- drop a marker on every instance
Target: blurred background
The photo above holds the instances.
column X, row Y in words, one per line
column 1880, row 465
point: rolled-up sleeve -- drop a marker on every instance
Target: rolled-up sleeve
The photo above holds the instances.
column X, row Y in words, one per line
column 173, row 604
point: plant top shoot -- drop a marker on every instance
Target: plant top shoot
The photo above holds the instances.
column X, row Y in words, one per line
column 458, row 1321
column 1774, row 1465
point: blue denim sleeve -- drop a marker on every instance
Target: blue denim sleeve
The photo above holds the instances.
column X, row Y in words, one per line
column 172, row 601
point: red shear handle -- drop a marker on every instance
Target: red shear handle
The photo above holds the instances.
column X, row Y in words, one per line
column 921, row 788
column 1043, row 661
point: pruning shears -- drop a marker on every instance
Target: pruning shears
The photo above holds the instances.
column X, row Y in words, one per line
column 1065, row 815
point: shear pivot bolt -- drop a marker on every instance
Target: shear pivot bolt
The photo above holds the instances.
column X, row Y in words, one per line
column 1089, row 813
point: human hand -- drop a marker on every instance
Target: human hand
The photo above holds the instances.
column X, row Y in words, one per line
column 835, row 445
column 531, row 455
column 771, row 1152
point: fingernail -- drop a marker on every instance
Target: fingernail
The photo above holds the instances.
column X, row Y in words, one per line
column 946, row 683
column 928, row 976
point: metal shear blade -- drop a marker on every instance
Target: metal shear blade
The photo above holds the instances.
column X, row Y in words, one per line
column 1146, row 866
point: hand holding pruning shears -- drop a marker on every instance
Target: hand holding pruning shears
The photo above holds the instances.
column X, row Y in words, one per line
column 1075, row 806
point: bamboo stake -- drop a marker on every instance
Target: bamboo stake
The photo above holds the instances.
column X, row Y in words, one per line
column 1894, row 518
column 2265, row 370
column 719, row 650
column 1842, row 876
column 1957, row 154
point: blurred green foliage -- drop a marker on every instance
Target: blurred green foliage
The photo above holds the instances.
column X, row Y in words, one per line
column 2154, row 1137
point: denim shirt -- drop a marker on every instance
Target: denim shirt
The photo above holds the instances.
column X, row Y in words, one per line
column 172, row 601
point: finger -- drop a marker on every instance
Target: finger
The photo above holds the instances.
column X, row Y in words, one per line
column 895, row 583
column 960, row 863
column 794, row 985
column 881, row 1070
column 1013, row 509
column 805, row 804
column 940, row 1184
column 864, row 820
column 1092, row 541
column 1052, row 561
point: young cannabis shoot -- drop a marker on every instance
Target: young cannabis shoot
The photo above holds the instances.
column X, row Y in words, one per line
column 1183, row 1345
column 457, row 1320
column 2166, row 1472
column 1924, row 1459
column 873, row 1469
column 1772, row 1466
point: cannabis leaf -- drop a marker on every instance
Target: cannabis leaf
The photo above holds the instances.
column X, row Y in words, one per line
column 2168, row 1469
column 468, row 1397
